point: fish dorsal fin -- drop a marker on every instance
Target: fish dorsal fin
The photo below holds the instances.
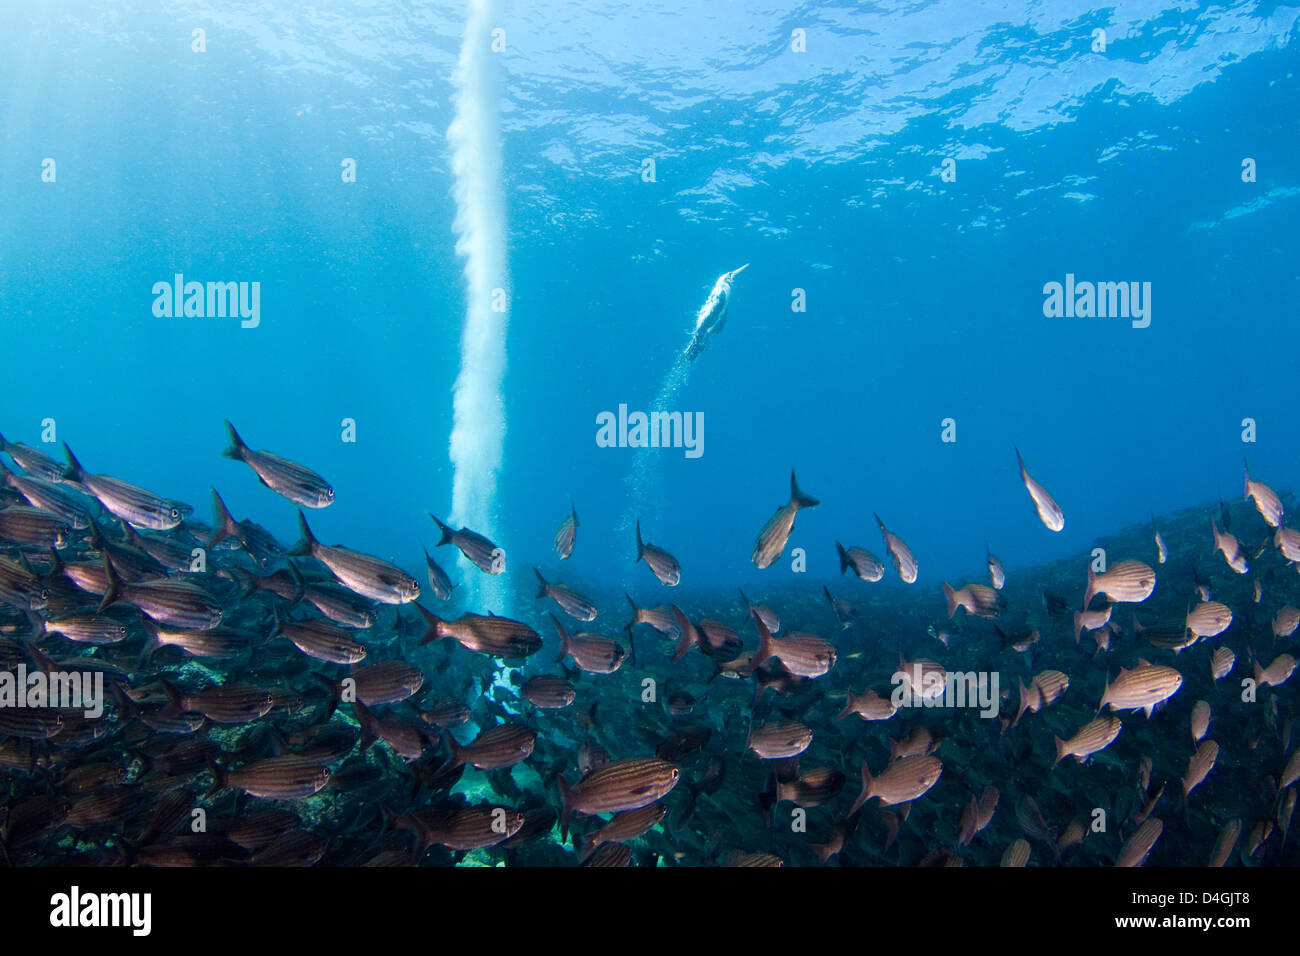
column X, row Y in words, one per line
column 1143, row 662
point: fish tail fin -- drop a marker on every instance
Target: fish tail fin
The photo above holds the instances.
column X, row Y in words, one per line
column 686, row 635
column 369, row 725
column 764, row 639
column 151, row 645
column 174, row 703
column 432, row 622
column 74, row 470
column 798, row 498
column 113, row 589
column 865, row 795
column 1060, row 750
column 566, row 806
column 299, row 584
column 237, row 446
column 848, row 707
column 640, row 545
column 225, row 524
column 636, row 612
column 1091, row 590
column 542, row 585
column 219, row 778
column 308, row 543
column 844, row 557
column 951, row 596
column 1247, row 464
column 446, row 532
column 564, row 639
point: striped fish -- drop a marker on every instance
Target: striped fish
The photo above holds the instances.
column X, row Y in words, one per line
column 1200, row 720
column 864, row 564
column 548, row 693
column 387, row 682
column 223, row 704
column 438, row 580
column 49, row 496
column 869, row 706
column 83, row 628
column 997, row 575
column 1199, row 766
column 610, row 855
column 1048, row 511
column 567, row 535
column 904, row 562
column 478, row 549
column 491, row 635
column 779, row 739
column 978, row 600
column 569, row 600
column 805, row 655
column 774, row 535
column 1017, row 854
column 178, row 603
column 1092, row 737
column 1285, row 621
column 35, row 463
column 21, row 525
column 1287, row 541
column 320, row 640
column 627, row 825
column 1266, row 500
column 257, row 542
column 1139, row 845
column 493, row 749
column 1222, row 662
column 1277, row 673
column 1208, row 619
column 1229, row 834
column 1127, row 581
column 591, row 652
column 141, row 508
column 1090, row 621
column 361, row 573
column 663, row 565
column 1141, row 688
column 461, row 828
column 925, row 679
column 622, row 785
column 214, row 644
column 1227, row 543
column 339, row 605
column 288, row 479
column 902, row 781
column 811, row 788
column 660, row 618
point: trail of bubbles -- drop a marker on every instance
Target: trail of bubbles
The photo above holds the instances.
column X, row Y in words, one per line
column 479, row 423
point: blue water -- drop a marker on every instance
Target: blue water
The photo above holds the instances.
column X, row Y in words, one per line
column 821, row 169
